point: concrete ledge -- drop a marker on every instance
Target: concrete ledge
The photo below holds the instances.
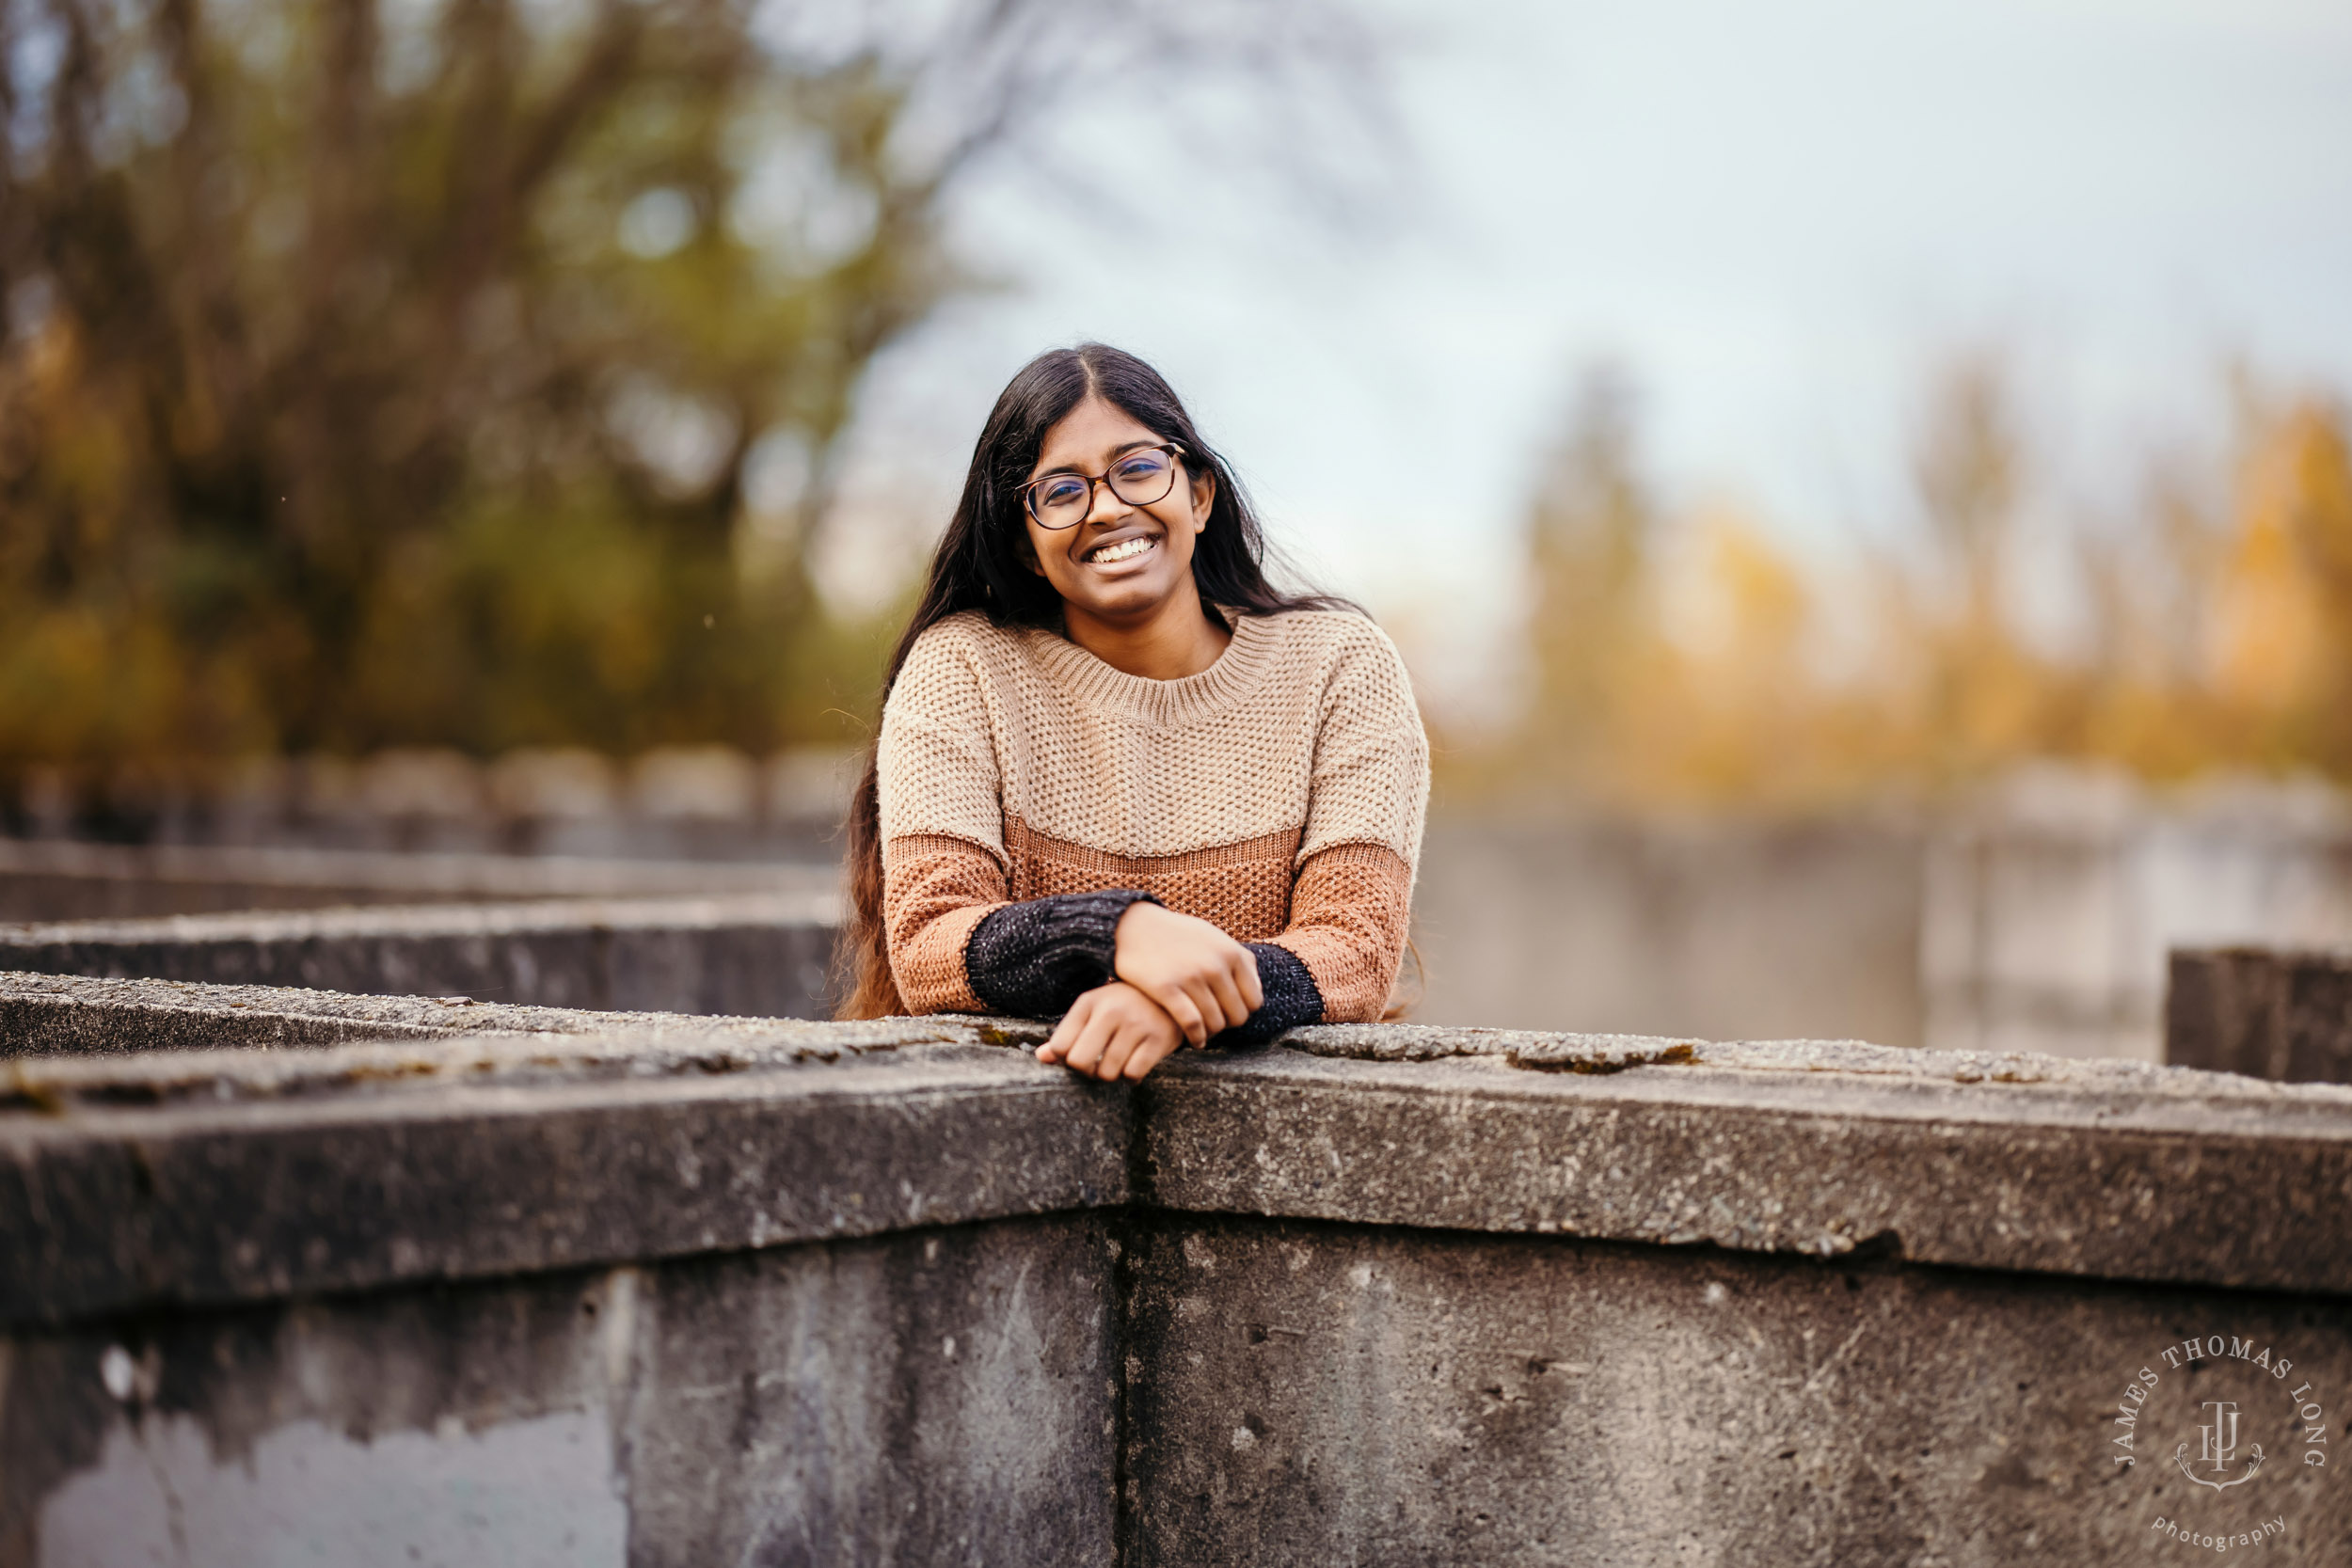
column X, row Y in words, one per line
column 2173, row 1176
column 127, row 1181
column 749, row 954
column 206, row 1179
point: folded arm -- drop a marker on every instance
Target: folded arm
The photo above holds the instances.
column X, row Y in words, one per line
column 957, row 945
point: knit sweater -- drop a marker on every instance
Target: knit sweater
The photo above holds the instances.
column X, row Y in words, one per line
column 1029, row 793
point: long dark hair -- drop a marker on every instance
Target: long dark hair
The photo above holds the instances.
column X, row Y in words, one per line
column 979, row 565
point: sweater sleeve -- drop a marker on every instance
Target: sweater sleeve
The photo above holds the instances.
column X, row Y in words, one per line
column 1033, row 960
column 1351, row 898
column 944, row 866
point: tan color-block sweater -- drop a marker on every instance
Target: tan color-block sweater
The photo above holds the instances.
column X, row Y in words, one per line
column 1029, row 792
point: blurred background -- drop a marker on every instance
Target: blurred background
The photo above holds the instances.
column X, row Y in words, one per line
column 1864, row 490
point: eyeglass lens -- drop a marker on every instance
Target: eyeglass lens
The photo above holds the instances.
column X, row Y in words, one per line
column 1139, row 479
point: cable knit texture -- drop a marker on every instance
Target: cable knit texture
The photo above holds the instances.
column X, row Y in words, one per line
column 1278, row 793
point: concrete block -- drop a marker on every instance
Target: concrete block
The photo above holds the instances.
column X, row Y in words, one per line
column 51, row 1015
column 2280, row 1015
column 930, row 1397
column 1341, row 1394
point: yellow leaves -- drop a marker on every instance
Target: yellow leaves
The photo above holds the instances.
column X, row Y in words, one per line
column 81, row 688
column 1699, row 663
column 1755, row 606
column 2281, row 654
column 2268, row 633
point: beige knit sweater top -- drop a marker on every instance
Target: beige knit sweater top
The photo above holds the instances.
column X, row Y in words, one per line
column 1029, row 792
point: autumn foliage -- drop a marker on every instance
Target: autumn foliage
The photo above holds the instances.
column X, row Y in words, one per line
column 1689, row 660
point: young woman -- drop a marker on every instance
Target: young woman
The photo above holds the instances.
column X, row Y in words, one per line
column 1119, row 778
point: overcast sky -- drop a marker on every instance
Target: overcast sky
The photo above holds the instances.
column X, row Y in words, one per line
column 1776, row 218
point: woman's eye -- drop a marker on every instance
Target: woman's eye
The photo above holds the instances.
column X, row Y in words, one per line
column 1060, row 492
column 1140, row 468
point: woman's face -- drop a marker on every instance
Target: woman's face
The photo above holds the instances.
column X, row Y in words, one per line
column 1151, row 545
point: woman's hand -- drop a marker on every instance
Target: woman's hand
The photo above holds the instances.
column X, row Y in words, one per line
column 1199, row 977
column 1112, row 1030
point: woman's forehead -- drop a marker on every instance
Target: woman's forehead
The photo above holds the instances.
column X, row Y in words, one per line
column 1091, row 434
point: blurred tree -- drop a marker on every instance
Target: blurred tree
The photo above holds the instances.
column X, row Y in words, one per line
column 1985, row 696
column 2281, row 655
column 379, row 372
column 1593, row 624
column 1678, row 659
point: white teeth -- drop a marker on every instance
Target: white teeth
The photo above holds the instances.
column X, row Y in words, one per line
column 1126, row 549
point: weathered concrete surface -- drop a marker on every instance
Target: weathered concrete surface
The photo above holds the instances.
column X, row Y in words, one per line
column 761, row 955
column 2111, row 1169
column 2280, row 1015
column 1341, row 1394
column 2115, row 1170
column 933, row 1396
column 61, row 879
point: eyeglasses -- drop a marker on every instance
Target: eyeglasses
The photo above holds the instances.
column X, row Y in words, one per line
column 1140, row 478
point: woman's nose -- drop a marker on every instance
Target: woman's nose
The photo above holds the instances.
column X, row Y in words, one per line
column 1105, row 507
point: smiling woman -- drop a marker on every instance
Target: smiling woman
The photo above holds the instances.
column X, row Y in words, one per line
column 1119, row 777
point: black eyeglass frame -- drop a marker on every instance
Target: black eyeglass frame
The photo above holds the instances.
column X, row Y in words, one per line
column 1029, row 492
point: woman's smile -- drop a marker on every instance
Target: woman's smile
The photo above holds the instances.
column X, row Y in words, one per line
column 1117, row 551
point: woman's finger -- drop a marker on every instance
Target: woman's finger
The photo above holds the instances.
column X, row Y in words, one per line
column 1094, row 1035
column 1147, row 1056
column 1231, row 1001
column 1245, row 973
column 1182, row 1007
column 1056, row 1046
column 1122, row 1045
column 1216, row 1012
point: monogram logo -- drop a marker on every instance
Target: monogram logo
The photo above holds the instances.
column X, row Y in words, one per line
column 2221, row 1443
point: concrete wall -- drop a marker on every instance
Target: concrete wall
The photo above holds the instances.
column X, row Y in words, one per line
column 1713, row 929
column 2036, row 916
column 760, row 1290
column 797, row 1405
column 696, row 803
column 763, row 955
column 51, row 881
column 2284, row 1016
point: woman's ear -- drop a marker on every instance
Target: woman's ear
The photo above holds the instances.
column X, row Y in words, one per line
column 1203, row 497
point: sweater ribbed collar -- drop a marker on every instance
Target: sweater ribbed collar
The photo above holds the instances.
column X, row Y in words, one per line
column 1165, row 704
